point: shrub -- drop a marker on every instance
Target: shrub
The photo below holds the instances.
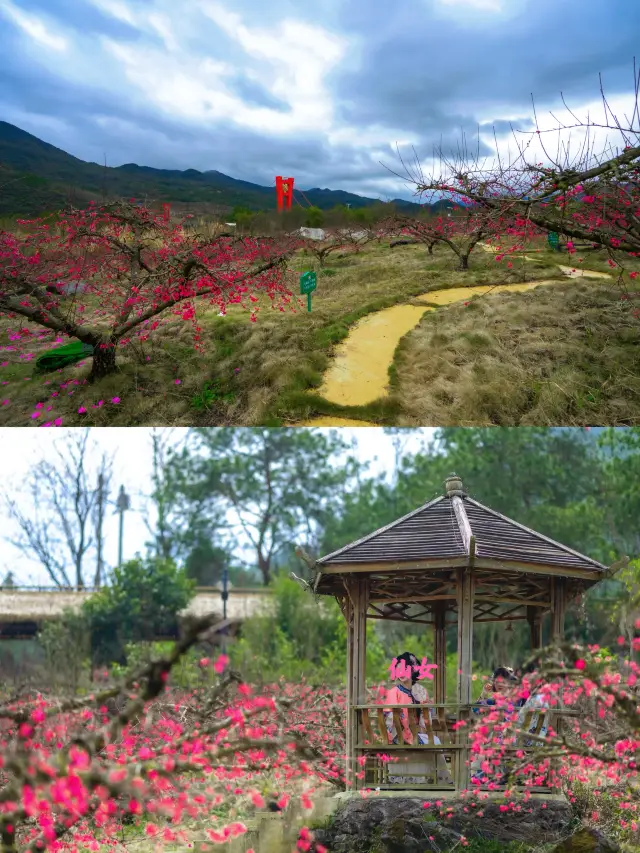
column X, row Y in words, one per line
column 67, row 651
column 141, row 604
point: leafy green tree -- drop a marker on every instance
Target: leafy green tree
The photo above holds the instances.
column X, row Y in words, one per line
column 563, row 483
column 363, row 215
column 379, row 655
column 141, row 604
column 274, row 486
column 626, row 610
column 620, row 492
column 206, row 562
column 66, row 647
column 180, row 531
column 292, row 219
column 298, row 636
column 239, row 212
column 314, row 217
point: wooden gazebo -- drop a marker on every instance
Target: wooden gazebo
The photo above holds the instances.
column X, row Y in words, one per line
column 452, row 561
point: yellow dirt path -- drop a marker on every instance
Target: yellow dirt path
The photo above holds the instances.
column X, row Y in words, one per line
column 361, row 364
column 330, row 421
column 457, row 294
column 579, row 273
column 360, row 370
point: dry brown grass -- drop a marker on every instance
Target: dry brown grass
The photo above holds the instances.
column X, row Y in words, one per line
column 260, row 372
column 565, row 354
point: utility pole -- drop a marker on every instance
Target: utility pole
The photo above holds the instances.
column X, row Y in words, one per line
column 122, row 505
column 225, row 596
column 99, row 524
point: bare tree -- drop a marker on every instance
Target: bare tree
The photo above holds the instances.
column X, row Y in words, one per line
column 62, row 520
column 586, row 195
column 101, row 500
column 163, row 542
column 321, row 249
column 357, row 237
column 461, row 234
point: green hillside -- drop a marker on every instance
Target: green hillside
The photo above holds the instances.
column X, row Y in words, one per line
column 36, row 177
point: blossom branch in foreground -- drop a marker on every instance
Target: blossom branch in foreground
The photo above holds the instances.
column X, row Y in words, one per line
column 69, row 773
column 579, row 725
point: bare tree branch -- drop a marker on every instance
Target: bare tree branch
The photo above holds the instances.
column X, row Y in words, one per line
column 63, row 524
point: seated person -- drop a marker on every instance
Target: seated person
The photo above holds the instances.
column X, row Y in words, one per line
column 501, row 683
column 407, row 691
column 535, row 700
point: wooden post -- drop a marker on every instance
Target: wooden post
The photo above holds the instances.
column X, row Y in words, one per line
column 440, row 650
column 359, row 591
column 558, row 606
column 534, row 618
column 440, row 660
column 350, row 752
column 465, row 591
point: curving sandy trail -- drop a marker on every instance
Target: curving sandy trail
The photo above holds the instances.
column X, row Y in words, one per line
column 359, row 373
column 330, row 421
column 360, row 366
column 572, row 272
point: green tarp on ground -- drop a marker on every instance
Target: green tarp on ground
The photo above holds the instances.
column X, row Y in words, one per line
column 54, row 359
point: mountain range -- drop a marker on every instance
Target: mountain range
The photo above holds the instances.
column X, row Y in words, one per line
column 36, row 177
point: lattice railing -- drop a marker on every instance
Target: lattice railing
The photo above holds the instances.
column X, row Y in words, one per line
column 433, row 755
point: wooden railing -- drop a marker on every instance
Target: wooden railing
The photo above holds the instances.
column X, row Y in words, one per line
column 428, row 756
column 438, row 759
column 438, row 721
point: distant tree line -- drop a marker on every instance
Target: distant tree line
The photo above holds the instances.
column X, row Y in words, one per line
column 245, row 499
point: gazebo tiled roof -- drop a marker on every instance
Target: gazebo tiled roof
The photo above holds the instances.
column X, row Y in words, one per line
column 432, row 531
column 455, row 530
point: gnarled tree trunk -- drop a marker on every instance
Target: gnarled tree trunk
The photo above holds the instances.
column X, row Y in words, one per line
column 104, row 360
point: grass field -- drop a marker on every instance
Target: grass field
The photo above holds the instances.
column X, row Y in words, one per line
column 563, row 354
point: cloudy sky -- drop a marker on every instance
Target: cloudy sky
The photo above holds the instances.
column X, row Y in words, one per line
column 131, row 450
column 322, row 91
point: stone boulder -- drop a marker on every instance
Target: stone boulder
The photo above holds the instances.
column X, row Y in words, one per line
column 587, row 840
column 312, row 233
column 404, row 825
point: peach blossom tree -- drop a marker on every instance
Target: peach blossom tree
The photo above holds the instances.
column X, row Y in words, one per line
column 108, row 275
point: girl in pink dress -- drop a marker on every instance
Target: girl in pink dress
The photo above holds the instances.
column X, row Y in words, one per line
column 406, row 691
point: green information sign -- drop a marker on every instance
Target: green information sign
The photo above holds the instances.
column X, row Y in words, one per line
column 554, row 240
column 308, row 284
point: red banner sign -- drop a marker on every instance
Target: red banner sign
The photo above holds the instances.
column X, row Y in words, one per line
column 284, row 192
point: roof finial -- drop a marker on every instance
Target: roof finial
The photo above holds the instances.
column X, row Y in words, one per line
column 453, row 486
